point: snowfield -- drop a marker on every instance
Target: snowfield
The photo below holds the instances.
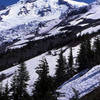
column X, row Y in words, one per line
column 21, row 19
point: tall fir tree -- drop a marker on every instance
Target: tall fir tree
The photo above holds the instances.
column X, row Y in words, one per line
column 44, row 87
column 97, row 51
column 70, row 69
column 19, row 83
column 60, row 75
column 14, row 86
column 85, row 57
column 22, row 77
column 1, row 92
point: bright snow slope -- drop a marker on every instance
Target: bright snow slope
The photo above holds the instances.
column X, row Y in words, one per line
column 19, row 19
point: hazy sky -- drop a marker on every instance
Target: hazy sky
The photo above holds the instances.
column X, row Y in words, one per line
column 9, row 2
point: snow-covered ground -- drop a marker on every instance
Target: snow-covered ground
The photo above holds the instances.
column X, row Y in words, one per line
column 93, row 14
column 89, row 30
column 83, row 84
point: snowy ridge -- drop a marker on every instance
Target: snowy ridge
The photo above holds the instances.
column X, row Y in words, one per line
column 81, row 24
column 76, row 4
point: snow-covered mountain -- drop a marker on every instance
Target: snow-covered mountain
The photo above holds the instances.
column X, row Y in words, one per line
column 80, row 24
column 28, row 21
column 26, row 16
column 79, row 21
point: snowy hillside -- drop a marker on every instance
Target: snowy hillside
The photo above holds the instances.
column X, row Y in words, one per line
column 34, row 62
column 25, row 17
column 84, row 82
column 81, row 24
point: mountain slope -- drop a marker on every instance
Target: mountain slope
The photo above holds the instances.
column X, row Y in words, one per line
column 24, row 17
column 84, row 82
column 81, row 24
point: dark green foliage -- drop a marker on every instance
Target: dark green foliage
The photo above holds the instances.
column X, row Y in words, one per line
column 14, row 87
column 44, row 87
column 97, row 51
column 70, row 60
column 85, row 57
column 70, row 69
column 19, row 83
column 22, row 78
column 1, row 92
column 60, row 75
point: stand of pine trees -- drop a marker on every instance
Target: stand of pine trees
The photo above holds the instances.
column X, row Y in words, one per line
column 18, row 88
column 89, row 55
column 60, row 75
column 97, row 51
column 86, row 55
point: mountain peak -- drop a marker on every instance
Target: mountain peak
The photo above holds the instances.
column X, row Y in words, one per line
column 22, row 18
column 76, row 3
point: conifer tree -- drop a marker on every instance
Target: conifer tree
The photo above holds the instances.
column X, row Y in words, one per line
column 1, row 92
column 19, row 83
column 97, row 51
column 22, row 77
column 44, row 87
column 60, row 75
column 85, row 57
column 70, row 69
column 14, row 86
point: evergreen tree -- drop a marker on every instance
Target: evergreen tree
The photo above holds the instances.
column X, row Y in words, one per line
column 44, row 87
column 1, row 92
column 14, row 86
column 70, row 69
column 85, row 57
column 97, row 51
column 19, row 83
column 60, row 75
column 22, row 78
